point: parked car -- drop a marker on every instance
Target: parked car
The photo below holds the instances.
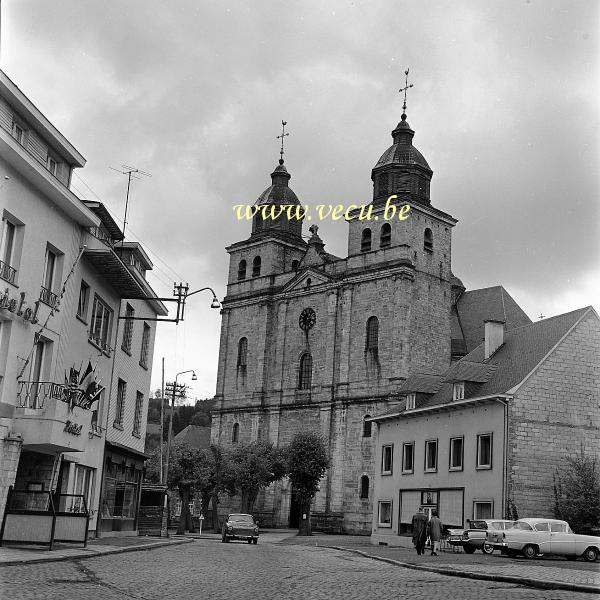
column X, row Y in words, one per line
column 240, row 527
column 476, row 536
column 535, row 537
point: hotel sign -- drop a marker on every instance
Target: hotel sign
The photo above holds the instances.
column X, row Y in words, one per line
column 18, row 307
column 73, row 428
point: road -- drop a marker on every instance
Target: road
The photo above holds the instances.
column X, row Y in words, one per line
column 208, row 569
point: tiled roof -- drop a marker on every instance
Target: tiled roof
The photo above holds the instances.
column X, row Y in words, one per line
column 465, row 370
column 195, row 436
column 423, row 383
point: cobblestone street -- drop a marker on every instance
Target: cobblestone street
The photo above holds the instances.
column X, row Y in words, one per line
column 209, row 569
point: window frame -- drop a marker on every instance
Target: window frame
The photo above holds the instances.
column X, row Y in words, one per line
column 82, row 307
column 145, row 346
column 364, row 492
column 128, row 329
column 451, row 467
column 137, row 416
column 256, row 266
column 367, row 431
column 482, row 501
column 235, row 433
column 385, row 236
column 458, row 391
column 428, row 239
column 103, row 340
column 405, row 470
column 120, row 405
column 372, row 334
column 242, row 357
column 242, row 270
column 8, row 247
column 387, row 449
column 19, row 132
column 304, row 373
column 410, row 401
column 386, row 524
column 366, row 240
column 479, row 465
column 427, row 469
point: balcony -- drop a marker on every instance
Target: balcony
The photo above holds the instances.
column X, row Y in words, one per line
column 48, row 297
column 49, row 419
column 7, row 272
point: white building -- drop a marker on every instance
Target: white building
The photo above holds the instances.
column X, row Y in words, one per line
column 66, row 276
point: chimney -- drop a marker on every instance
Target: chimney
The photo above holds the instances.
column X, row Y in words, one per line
column 494, row 336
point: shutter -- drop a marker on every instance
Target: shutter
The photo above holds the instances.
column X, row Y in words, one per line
column 409, row 504
column 451, row 508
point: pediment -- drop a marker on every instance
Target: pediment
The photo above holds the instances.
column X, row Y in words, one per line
column 299, row 282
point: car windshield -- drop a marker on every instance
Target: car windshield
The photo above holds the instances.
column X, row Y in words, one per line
column 241, row 518
column 523, row 526
column 478, row 525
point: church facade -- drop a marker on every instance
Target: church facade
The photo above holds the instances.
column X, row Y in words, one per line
column 314, row 341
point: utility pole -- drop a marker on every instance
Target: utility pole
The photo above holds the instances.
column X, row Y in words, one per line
column 162, row 417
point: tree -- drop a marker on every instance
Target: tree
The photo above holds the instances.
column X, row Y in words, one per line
column 190, row 470
column 307, row 462
column 254, row 467
column 577, row 493
column 221, row 481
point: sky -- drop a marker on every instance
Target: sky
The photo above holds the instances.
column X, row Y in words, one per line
column 505, row 106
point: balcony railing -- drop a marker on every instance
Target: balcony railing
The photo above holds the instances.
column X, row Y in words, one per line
column 100, row 343
column 7, row 272
column 33, row 394
column 100, row 233
column 48, row 297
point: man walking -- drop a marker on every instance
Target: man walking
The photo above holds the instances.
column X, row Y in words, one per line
column 434, row 528
column 419, row 528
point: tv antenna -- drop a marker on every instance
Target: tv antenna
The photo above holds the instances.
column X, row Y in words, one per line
column 132, row 173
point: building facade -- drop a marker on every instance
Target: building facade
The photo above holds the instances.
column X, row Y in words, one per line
column 314, row 341
column 485, row 439
column 66, row 275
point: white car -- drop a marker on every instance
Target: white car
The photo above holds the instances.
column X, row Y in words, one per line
column 533, row 537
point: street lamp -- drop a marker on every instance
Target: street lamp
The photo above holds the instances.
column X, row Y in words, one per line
column 170, row 437
column 214, row 304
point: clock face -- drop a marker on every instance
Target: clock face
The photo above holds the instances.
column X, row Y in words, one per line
column 307, row 319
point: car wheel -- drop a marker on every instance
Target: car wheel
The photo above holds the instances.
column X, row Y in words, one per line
column 591, row 554
column 469, row 549
column 487, row 548
column 255, row 541
column 529, row 551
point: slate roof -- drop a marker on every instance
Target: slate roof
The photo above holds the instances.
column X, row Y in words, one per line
column 476, row 306
column 466, row 370
column 194, row 435
column 422, row 383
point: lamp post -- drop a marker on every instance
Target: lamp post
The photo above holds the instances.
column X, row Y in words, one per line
column 170, row 436
column 214, row 304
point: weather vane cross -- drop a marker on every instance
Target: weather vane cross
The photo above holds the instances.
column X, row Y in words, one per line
column 404, row 89
column 282, row 137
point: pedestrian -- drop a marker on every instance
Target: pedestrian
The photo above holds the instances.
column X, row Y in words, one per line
column 434, row 529
column 419, row 528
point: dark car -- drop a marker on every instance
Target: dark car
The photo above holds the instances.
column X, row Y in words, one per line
column 240, row 527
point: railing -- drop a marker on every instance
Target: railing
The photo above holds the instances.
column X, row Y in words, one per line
column 98, row 341
column 101, row 234
column 33, row 394
column 7, row 272
column 48, row 297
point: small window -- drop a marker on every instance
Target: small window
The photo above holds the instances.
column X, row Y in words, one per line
column 52, row 165
column 242, row 359
column 458, row 390
column 456, row 454
column 49, row 270
column 18, row 132
column 100, row 324
column 372, row 335
column 364, row 487
column 82, row 304
column 411, row 401
column 484, row 451
column 365, row 241
column 235, row 433
column 127, row 329
column 120, row 407
column 558, row 527
column 431, row 448
column 256, row 267
column 295, row 264
column 367, row 427
column 385, row 514
column 387, row 459
column 483, row 510
column 145, row 350
column 242, row 270
column 542, row 526
column 385, row 240
column 428, row 240
column 7, row 256
column 305, row 372
column 408, row 458
column 139, row 408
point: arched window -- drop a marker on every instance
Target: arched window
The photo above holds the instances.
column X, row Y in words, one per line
column 385, row 239
column 428, row 240
column 305, row 372
column 294, row 265
column 365, row 241
column 367, row 426
column 364, row 487
column 256, row 266
column 242, row 270
column 235, row 433
column 242, row 360
column 372, row 337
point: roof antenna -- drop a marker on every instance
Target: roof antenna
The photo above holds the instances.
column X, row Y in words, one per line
column 282, row 136
column 404, row 89
column 129, row 171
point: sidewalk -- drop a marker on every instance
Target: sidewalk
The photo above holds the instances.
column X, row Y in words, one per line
column 18, row 555
column 549, row 574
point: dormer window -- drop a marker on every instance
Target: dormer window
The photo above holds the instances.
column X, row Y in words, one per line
column 458, row 390
column 411, row 400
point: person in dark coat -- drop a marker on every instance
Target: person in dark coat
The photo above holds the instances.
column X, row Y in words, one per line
column 434, row 529
column 419, row 527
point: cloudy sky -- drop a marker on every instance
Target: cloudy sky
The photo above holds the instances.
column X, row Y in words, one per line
column 505, row 108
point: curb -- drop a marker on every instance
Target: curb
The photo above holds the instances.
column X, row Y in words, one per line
column 535, row 583
column 152, row 546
